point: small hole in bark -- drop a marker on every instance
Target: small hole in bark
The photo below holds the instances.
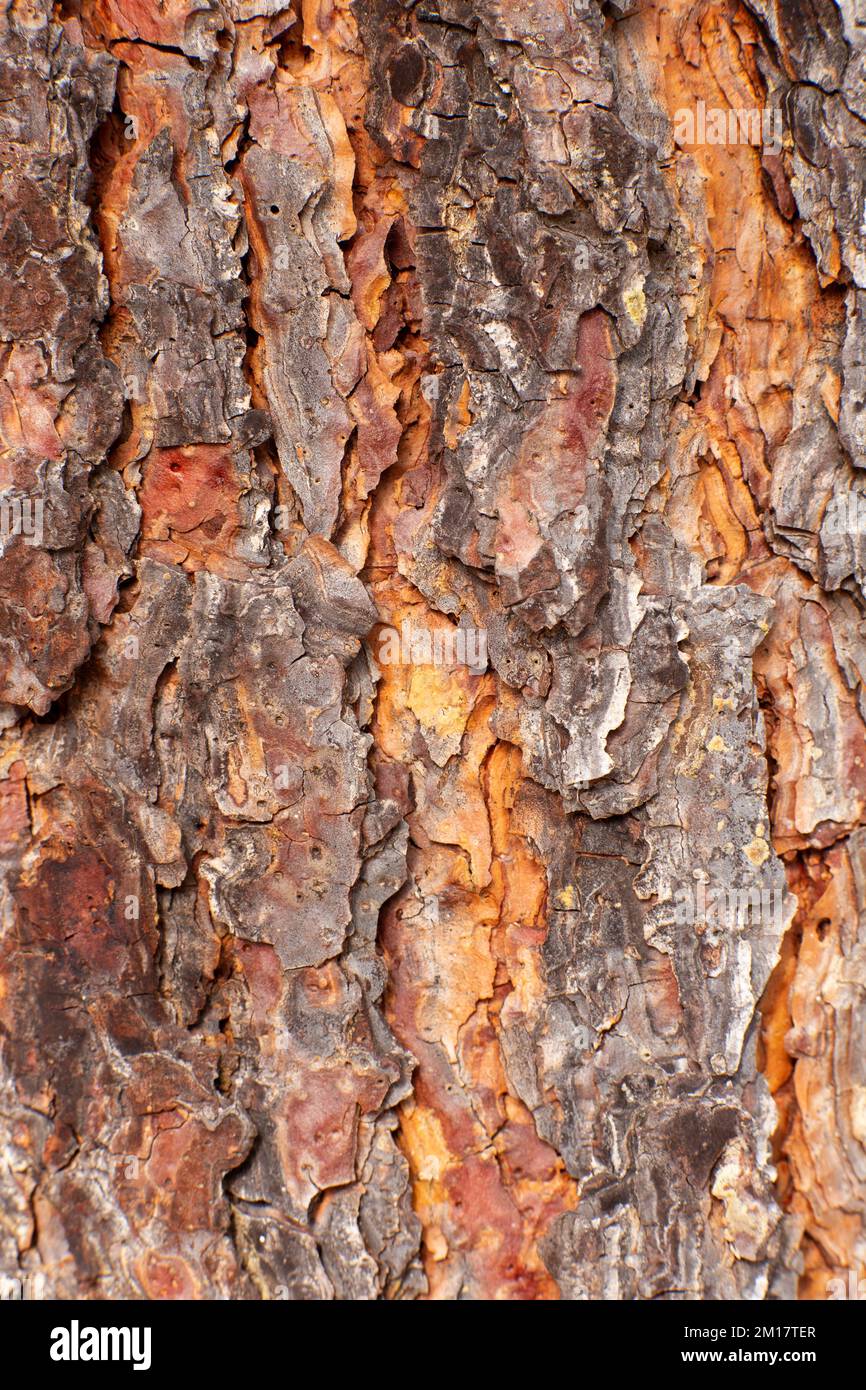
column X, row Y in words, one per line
column 822, row 927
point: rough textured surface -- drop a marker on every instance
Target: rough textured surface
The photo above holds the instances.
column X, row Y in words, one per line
column 328, row 974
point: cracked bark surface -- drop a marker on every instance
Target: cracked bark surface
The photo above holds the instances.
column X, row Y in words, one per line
column 323, row 977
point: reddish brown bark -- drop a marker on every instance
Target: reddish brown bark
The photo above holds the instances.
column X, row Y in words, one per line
column 336, row 337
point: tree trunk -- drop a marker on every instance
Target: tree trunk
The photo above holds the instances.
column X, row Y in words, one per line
column 431, row 637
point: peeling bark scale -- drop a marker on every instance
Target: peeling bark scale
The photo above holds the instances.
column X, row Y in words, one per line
column 432, row 640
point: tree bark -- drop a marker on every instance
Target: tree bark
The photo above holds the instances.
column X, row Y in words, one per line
column 340, row 340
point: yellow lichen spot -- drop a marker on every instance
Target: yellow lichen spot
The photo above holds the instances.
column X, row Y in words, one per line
column 634, row 300
column 717, row 744
column 758, row 852
column 721, row 702
column 566, row 898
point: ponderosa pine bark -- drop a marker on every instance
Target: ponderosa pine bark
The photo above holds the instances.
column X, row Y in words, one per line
column 326, row 974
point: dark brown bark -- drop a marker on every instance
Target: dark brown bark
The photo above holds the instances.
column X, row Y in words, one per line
column 331, row 967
